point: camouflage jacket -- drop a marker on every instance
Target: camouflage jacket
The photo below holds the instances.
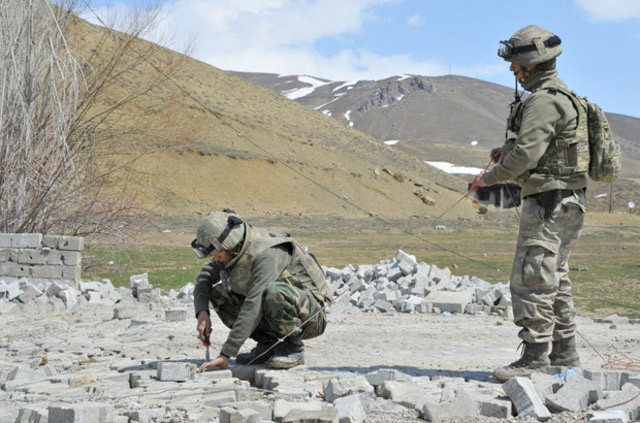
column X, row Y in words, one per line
column 543, row 118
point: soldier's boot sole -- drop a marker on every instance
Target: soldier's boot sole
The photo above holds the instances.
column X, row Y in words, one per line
column 286, row 361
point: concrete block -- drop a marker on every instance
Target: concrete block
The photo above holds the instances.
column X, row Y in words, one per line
column 384, row 306
column 394, row 274
column 346, row 385
column 611, row 381
column 332, row 273
column 5, row 240
column 378, row 377
column 350, row 409
column 424, row 308
column 80, row 413
column 286, row 411
column 525, row 399
column 401, row 256
column 71, row 243
column 608, row 416
column 175, row 371
column 244, row 415
column 439, row 275
column 26, row 241
column 146, row 415
column 492, row 297
column 627, row 399
column 31, row 256
column 264, row 408
column 29, row 291
column 175, row 315
column 47, row 272
column 69, row 297
column 15, row 270
column 453, row 302
column 31, row 415
column 216, row 399
column 13, row 290
column 69, row 258
column 574, row 396
column 73, row 273
column 494, row 407
column 50, row 241
column 461, row 405
column 406, row 268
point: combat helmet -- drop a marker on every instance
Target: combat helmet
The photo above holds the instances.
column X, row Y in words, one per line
column 223, row 230
column 530, row 45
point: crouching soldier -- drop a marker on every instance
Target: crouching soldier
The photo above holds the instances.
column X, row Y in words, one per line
column 263, row 286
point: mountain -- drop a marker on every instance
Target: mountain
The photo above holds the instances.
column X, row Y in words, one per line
column 208, row 139
column 453, row 109
column 446, row 118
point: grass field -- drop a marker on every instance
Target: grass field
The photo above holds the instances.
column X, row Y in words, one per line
column 605, row 265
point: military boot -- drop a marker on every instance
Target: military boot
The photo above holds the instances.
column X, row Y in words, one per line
column 288, row 354
column 564, row 353
column 534, row 358
column 258, row 355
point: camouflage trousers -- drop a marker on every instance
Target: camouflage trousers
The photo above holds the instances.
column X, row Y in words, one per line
column 540, row 285
column 284, row 310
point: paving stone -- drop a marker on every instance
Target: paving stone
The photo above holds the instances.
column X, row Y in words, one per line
column 175, row 371
column 175, row 315
column 146, row 415
column 453, row 302
column 608, row 416
column 264, row 408
column 627, row 400
column 346, row 385
column 80, row 413
column 215, row 399
column 289, row 411
column 525, row 399
column 378, row 377
column 245, row 415
column 574, row 396
column 350, row 409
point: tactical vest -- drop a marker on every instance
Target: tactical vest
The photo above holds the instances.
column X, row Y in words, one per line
column 304, row 271
column 565, row 155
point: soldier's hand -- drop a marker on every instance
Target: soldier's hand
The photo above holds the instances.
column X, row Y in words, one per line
column 204, row 324
column 477, row 182
column 221, row 361
column 496, row 154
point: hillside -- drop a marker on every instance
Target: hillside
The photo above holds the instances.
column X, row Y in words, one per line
column 448, row 118
column 212, row 140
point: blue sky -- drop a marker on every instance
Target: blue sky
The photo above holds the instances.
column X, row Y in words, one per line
column 348, row 40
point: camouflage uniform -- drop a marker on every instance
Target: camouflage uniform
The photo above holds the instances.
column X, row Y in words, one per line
column 553, row 208
column 267, row 291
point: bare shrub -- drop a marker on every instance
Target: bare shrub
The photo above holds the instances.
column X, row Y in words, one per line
column 65, row 148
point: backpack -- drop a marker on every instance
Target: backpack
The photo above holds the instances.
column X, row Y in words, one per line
column 604, row 153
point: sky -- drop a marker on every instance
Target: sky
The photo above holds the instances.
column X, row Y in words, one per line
column 349, row 40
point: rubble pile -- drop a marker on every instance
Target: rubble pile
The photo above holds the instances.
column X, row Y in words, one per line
column 75, row 351
column 402, row 284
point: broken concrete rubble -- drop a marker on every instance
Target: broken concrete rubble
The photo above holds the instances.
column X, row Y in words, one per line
column 129, row 354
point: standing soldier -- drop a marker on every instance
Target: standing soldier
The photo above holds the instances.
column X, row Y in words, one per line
column 549, row 157
column 262, row 285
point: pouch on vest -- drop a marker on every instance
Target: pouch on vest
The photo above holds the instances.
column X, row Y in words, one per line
column 305, row 273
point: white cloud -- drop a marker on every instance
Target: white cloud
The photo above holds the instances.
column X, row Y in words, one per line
column 610, row 10
column 279, row 36
column 415, row 20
